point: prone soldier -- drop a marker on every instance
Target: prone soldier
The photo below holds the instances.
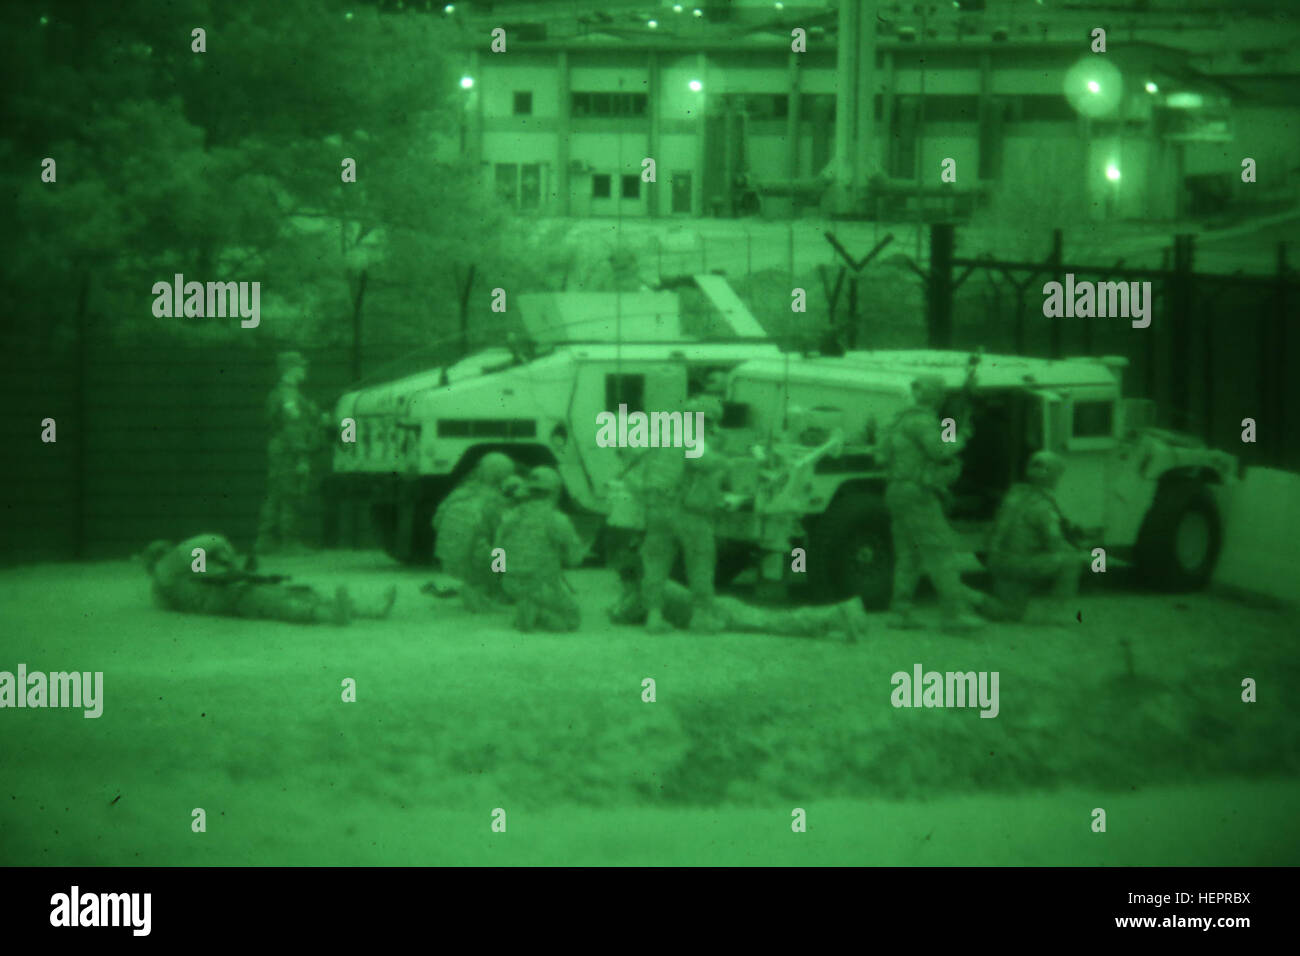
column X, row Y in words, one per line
column 225, row 588
column 846, row 619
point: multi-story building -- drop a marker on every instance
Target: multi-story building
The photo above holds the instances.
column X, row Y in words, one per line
column 854, row 107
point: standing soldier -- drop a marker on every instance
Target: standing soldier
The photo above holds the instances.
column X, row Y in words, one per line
column 465, row 523
column 921, row 466
column 296, row 425
column 682, row 497
column 540, row 541
column 1029, row 548
column 224, row 588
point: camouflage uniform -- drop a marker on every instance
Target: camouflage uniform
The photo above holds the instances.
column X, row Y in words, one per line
column 539, row 541
column 921, row 466
column 178, row 587
column 1028, row 549
column 732, row 614
column 682, row 496
column 465, row 523
column 295, row 422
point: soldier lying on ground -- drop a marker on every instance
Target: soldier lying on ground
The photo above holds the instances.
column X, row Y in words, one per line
column 539, row 541
column 225, row 588
column 846, row 619
column 465, row 523
column 1028, row 548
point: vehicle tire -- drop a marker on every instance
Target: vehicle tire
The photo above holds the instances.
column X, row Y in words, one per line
column 854, row 552
column 1179, row 543
column 383, row 520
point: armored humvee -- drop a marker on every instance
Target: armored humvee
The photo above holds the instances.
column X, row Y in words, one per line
column 802, row 430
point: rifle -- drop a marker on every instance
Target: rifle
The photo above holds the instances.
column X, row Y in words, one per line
column 244, row 577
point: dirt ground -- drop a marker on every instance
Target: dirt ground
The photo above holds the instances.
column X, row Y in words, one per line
column 1136, row 710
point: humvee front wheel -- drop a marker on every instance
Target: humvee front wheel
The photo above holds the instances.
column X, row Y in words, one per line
column 854, row 551
column 1178, row 545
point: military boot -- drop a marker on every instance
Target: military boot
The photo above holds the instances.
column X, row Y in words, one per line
column 904, row 618
column 377, row 608
column 852, row 620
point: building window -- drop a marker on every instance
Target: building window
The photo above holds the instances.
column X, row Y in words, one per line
column 600, row 186
column 530, row 185
column 519, row 186
column 609, row 104
column 632, row 186
column 765, row 106
column 1093, row 419
column 523, row 104
column 507, row 182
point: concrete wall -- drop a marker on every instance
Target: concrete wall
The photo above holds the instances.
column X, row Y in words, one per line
column 1261, row 549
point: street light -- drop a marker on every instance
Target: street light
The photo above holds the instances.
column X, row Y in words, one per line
column 695, row 86
column 466, row 82
column 1112, row 173
column 1152, row 88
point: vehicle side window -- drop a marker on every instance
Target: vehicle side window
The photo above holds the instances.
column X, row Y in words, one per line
column 626, row 390
column 1095, row 419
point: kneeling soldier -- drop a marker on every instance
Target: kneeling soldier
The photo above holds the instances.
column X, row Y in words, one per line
column 539, row 541
column 1028, row 549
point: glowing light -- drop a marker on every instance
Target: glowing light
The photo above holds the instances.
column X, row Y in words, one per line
column 652, row 23
column 696, row 86
column 1152, row 88
column 1112, row 173
column 697, row 12
column 449, row 8
column 466, row 82
column 677, row 8
column 1094, row 87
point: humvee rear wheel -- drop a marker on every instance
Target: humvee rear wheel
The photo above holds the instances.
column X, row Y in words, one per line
column 854, row 552
column 1180, row 538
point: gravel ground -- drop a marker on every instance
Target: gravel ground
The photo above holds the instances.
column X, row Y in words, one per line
column 1136, row 709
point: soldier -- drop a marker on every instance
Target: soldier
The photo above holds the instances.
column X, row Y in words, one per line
column 295, row 434
column 1029, row 548
column 465, row 523
column 682, row 496
column 846, row 619
column 539, row 542
column 224, row 588
column 921, row 466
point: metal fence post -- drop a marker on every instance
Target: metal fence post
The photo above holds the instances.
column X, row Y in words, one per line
column 938, row 300
column 1180, row 330
column 1054, row 260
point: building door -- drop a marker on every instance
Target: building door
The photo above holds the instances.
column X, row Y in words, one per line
column 682, row 192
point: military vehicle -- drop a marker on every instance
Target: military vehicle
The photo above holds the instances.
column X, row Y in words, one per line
column 803, row 432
